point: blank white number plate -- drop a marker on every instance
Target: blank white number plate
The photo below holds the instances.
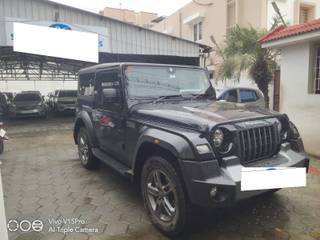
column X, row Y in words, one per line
column 261, row 178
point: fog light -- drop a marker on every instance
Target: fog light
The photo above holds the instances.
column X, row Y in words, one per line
column 213, row 192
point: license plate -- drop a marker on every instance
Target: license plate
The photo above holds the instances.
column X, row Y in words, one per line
column 261, row 178
column 28, row 111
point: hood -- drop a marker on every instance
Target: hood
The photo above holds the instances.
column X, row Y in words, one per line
column 197, row 115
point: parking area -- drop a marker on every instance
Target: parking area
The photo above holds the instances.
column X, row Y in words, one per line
column 43, row 180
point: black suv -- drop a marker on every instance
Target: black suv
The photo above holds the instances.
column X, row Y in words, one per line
column 161, row 126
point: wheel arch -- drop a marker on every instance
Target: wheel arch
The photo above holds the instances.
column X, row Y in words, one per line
column 83, row 120
column 164, row 144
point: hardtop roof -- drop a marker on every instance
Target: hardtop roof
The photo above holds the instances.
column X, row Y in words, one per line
column 120, row 64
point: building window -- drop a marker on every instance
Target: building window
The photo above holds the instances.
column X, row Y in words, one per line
column 231, row 15
column 316, row 84
column 307, row 13
column 197, row 31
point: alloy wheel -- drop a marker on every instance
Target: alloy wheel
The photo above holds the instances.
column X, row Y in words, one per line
column 161, row 195
column 83, row 149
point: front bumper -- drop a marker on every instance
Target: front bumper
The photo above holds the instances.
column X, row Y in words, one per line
column 202, row 177
column 31, row 112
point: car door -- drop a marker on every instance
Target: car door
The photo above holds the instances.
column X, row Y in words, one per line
column 108, row 117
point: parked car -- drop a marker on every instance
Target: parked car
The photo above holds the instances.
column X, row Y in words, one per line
column 161, row 126
column 4, row 106
column 242, row 97
column 51, row 99
column 28, row 103
column 65, row 100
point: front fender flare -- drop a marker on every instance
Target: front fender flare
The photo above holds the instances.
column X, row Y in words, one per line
column 174, row 143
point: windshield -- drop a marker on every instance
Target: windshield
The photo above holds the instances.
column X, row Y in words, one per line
column 68, row 94
column 156, row 81
column 27, row 97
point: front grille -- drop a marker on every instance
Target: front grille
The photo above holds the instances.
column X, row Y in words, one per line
column 258, row 143
column 27, row 107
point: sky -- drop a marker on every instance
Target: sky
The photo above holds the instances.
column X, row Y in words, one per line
column 162, row 7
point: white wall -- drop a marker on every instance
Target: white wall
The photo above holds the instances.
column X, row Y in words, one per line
column 302, row 108
column 43, row 86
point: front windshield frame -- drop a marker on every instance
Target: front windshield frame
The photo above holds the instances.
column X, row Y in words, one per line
column 140, row 98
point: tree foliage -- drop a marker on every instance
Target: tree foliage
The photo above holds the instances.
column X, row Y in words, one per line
column 243, row 52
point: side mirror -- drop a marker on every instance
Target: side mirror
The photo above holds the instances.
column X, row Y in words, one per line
column 110, row 94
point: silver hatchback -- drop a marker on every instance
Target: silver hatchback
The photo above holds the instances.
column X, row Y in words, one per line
column 242, row 97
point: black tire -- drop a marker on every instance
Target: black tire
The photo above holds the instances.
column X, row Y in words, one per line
column 89, row 161
column 271, row 192
column 176, row 225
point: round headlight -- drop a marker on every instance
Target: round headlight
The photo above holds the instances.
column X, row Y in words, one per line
column 218, row 138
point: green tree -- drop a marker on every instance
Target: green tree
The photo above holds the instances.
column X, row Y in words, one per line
column 243, row 52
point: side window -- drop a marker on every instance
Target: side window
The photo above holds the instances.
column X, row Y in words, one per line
column 231, row 96
column 86, row 84
column 104, row 80
column 248, row 96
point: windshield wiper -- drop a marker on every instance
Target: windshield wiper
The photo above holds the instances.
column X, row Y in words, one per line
column 195, row 96
column 138, row 100
column 161, row 98
column 143, row 98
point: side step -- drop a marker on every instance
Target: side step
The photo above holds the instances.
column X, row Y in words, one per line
column 113, row 163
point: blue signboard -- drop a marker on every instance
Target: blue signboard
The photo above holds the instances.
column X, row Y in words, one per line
column 60, row 26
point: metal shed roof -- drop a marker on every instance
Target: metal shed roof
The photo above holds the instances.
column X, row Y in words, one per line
column 121, row 37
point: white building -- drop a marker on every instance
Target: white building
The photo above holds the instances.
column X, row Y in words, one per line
column 300, row 77
column 294, row 11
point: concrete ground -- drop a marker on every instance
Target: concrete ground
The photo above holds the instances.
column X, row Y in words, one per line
column 43, row 180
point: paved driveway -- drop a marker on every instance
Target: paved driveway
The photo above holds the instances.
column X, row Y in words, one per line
column 43, row 180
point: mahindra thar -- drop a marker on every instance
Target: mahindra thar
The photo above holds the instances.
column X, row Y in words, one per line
column 161, row 126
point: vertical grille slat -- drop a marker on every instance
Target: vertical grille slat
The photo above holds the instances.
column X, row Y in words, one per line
column 254, row 144
column 249, row 145
column 264, row 146
column 257, row 143
column 271, row 139
column 243, row 145
column 260, row 143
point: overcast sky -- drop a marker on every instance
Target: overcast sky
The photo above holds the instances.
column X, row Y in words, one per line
column 162, row 7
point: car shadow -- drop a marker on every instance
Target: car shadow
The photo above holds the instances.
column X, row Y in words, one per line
column 264, row 215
